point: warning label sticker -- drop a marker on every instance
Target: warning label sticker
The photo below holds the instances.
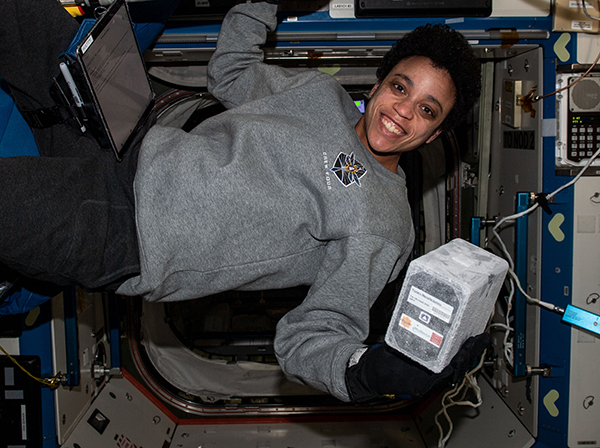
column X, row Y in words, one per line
column 430, row 304
column 420, row 330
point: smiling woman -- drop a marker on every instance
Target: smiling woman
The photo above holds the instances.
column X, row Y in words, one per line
column 406, row 109
column 448, row 50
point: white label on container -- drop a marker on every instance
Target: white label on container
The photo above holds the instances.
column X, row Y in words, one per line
column 342, row 5
column 579, row 4
column 420, row 330
column 582, row 25
column 430, row 304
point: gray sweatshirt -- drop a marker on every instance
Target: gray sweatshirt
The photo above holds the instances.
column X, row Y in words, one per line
column 277, row 191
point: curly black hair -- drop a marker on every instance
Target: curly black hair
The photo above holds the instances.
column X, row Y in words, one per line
column 449, row 50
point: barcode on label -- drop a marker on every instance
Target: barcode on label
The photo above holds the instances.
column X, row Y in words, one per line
column 430, row 304
column 445, row 316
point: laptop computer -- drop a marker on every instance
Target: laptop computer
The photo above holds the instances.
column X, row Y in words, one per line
column 107, row 80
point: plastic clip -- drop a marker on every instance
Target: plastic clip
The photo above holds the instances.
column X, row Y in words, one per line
column 542, row 200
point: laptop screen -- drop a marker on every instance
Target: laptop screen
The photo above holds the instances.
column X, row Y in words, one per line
column 115, row 69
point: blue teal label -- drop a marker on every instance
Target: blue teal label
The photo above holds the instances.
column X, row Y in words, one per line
column 582, row 319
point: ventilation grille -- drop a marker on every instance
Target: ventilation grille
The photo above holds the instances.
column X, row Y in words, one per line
column 585, row 95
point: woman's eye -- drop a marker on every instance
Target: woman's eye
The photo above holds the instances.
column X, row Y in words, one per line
column 428, row 111
column 399, row 87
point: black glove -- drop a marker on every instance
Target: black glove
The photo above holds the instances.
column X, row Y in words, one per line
column 383, row 373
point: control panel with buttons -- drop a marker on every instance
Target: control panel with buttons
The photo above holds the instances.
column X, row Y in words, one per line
column 577, row 119
column 583, row 137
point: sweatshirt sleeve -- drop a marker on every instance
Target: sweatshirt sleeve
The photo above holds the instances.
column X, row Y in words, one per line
column 236, row 71
column 315, row 340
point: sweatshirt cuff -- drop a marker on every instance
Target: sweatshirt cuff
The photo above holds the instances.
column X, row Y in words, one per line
column 356, row 356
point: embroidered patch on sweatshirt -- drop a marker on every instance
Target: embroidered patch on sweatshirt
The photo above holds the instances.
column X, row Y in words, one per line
column 348, row 170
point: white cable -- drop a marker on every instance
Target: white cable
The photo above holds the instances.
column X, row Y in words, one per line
column 471, row 384
column 585, row 11
column 527, row 296
column 508, row 346
column 576, row 178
